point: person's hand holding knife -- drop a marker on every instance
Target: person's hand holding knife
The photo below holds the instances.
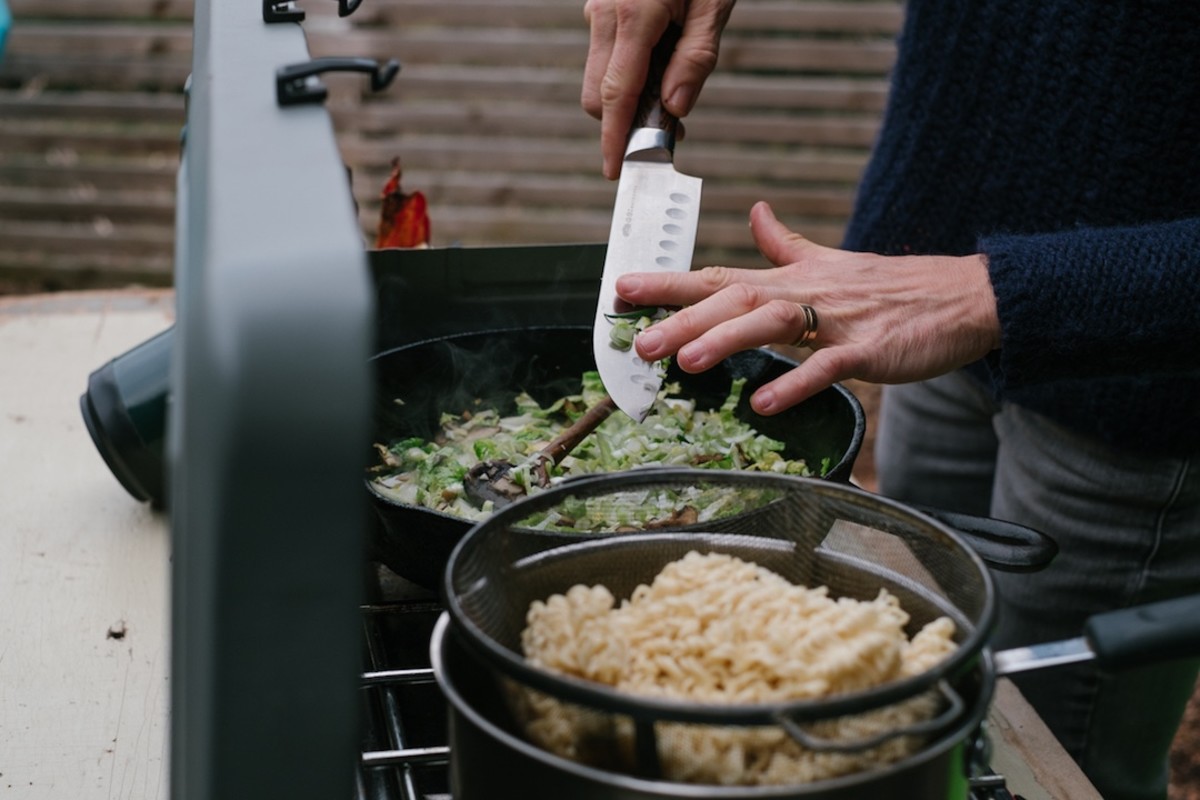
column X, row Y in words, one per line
column 874, row 318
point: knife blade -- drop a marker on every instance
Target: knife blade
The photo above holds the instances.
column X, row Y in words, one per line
column 1150, row 633
column 655, row 217
column 1046, row 654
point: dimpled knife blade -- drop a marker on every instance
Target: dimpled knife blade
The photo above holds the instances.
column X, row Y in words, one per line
column 654, row 223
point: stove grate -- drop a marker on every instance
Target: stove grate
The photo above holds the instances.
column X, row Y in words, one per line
column 405, row 755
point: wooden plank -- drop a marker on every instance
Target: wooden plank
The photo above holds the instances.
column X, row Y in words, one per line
column 39, row 136
column 488, row 225
column 558, row 121
column 95, row 238
column 1033, row 763
column 849, row 56
column 466, row 154
column 844, row 18
column 141, row 174
column 129, row 107
column 775, row 16
column 778, row 93
column 497, row 189
column 568, row 49
column 78, row 204
column 66, row 71
column 84, row 269
column 116, row 40
column 176, row 10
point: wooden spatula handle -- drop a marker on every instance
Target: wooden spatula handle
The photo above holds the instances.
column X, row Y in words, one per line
column 569, row 439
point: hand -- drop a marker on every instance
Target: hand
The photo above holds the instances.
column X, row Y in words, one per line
column 883, row 319
column 623, row 32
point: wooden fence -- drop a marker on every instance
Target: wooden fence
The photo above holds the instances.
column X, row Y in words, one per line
column 484, row 115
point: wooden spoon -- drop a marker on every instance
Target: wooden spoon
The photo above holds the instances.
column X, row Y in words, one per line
column 489, row 480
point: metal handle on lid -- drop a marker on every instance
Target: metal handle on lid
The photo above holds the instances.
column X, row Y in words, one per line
column 954, row 709
column 288, row 11
column 281, row 11
column 292, row 85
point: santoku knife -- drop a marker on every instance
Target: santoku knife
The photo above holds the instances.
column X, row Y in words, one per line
column 653, row 229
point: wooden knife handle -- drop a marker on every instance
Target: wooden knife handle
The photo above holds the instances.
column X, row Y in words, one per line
column 650, row 111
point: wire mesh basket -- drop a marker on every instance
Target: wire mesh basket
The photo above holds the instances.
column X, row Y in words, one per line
column 622, row 532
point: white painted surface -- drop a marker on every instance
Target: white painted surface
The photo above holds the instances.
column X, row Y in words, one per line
column 83, row 714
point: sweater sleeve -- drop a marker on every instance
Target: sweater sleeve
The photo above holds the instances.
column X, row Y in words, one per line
column 1096, row 302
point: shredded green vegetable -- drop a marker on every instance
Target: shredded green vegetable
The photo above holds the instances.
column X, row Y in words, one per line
column 675, row 433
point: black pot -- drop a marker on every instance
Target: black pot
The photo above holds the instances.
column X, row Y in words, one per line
column 490, row 759
column 448, row 373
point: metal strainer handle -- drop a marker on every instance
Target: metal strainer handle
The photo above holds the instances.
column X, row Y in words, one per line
column 953, row 710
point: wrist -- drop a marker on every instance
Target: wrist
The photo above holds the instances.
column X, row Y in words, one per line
column 987, row 318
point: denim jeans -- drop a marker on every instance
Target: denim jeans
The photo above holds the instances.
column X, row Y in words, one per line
column 1128, row 530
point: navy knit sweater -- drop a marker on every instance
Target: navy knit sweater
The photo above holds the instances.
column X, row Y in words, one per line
column 1061, row 138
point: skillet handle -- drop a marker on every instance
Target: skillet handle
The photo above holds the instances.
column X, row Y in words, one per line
column 1002, row 545
column 1146, row 634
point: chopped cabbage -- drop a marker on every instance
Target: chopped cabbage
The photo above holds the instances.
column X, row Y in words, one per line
column 674, row 433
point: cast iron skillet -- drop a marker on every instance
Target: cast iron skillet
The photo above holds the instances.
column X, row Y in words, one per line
column 448, row 374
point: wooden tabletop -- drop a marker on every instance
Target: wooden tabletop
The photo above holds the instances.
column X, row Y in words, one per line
column 84, row 630
column 83, row 566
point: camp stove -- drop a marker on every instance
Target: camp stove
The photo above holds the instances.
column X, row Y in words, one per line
column 292, row 676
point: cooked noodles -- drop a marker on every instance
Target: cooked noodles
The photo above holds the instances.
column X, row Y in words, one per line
column 716, row 629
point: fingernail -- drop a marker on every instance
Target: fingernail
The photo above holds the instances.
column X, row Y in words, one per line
column 680, row 100
column 764, row 401
column 650, row 342
column 695, row 354
column 628, row 284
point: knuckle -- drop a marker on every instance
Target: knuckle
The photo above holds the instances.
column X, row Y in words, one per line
column 701, row 60
column 747, row 295
column 784, row 312
column 628, row 11
column 713, row 277
column 738, row 295
column 838, row 363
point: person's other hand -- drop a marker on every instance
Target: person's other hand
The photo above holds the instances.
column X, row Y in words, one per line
column 883, row 319
column 623, row 32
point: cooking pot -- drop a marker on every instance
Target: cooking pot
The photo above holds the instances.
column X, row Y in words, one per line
column 810, row 532
column 447, row 374
column 487, row 751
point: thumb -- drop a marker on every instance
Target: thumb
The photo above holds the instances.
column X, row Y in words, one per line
column 778, row 244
